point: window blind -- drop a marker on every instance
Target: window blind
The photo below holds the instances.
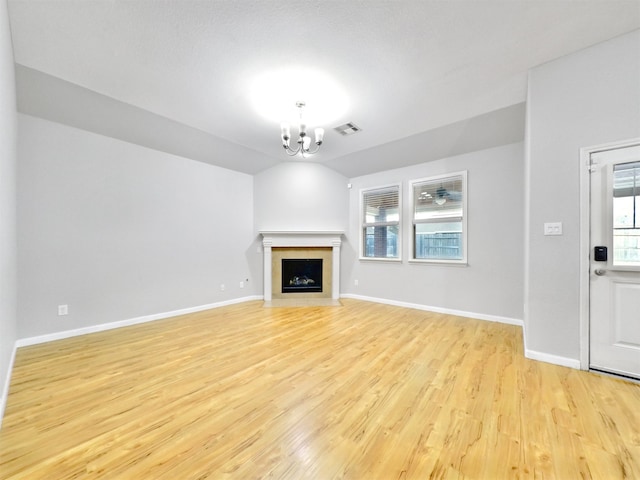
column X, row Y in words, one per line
column 382, row 206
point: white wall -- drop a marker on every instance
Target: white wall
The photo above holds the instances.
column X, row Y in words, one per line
column 300, row 195
column 588, row 98
column 118, row 231
column 8, row 128
column 492, row 283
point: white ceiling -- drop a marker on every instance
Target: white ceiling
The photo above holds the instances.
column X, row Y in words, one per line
column 408, row 67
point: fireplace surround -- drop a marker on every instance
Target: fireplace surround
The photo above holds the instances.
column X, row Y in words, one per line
column 301, row 245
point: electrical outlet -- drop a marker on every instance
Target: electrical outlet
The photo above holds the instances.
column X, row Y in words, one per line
column 222, row 287
column 241, row 284
column 355, row 282
column 63, row 309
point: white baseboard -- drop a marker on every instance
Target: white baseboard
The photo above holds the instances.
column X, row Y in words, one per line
column 7, row 382
column 449, row 311
column 531, row 354
column 548, row 357
column 554, row 359
column 23, row 342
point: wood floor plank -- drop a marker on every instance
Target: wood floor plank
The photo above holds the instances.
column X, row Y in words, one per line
column 360, row 391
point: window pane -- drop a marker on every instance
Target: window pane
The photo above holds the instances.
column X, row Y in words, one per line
column 381, row 206
column 381, row 242
column 623, row 212
column 438, row 198
column 438, row 241
column 626, row 247
column 626, row 219
column 381, row 222
column 438, row 218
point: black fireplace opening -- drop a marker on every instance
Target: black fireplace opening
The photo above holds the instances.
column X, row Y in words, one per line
column 301, row 275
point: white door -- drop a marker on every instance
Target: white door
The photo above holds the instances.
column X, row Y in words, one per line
column 614, row 295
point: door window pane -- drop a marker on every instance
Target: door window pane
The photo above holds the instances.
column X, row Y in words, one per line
column 626, row 216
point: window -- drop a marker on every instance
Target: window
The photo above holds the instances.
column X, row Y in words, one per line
column 439, row 218
column 626, row 214
column 381, row 223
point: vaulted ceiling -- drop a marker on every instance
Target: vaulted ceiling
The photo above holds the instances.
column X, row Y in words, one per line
column 178, row 75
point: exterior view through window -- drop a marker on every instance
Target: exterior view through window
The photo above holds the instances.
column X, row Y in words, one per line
column 439, row 218
column 381, row 223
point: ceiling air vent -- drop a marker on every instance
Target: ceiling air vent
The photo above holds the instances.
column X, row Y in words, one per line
column 347, row 129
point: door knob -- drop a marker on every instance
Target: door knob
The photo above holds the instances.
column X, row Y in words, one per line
column 599, row 272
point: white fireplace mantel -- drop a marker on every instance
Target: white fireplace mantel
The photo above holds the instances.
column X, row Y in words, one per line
column 289, row 238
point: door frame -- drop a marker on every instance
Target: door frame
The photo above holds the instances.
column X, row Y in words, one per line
column 585, row 238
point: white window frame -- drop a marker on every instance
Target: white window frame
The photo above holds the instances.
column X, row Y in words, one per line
column 363, row 225
column 413, row 222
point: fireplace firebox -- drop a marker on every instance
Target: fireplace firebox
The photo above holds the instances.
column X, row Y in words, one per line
column 301, row 275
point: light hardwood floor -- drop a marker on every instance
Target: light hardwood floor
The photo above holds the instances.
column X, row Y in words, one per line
column 359, row 391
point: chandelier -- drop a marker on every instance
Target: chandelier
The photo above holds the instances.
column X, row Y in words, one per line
column 304, row 142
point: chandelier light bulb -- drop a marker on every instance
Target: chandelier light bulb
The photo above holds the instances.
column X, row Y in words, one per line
column 286, row 132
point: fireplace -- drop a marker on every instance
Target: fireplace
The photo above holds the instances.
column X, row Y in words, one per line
column 300, row 275
column 301, row 245
column 301, row 272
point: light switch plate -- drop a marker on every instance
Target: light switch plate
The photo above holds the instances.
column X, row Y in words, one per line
column 553, row 228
